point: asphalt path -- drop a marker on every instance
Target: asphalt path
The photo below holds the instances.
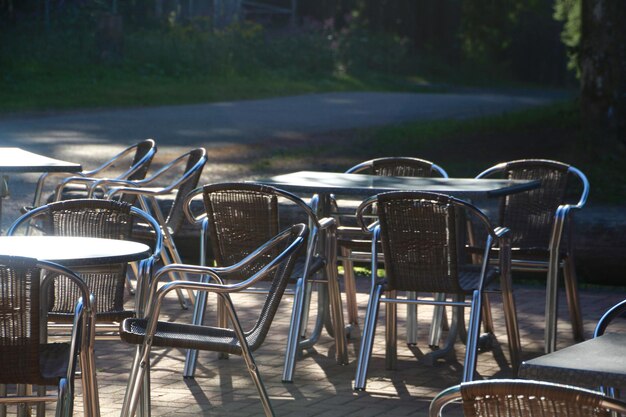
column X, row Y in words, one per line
column 92, row 136
column 216, row 124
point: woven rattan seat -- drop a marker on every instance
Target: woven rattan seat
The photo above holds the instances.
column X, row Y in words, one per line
column 517, row 398
column 90, row 218
column 537, row 220
column 423, row 240
column 272, row 262
column 25, row 355
column 237, row 218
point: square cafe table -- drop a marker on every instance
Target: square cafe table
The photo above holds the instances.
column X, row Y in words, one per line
column 17, row 160
column 596, row 362
column 325, row 184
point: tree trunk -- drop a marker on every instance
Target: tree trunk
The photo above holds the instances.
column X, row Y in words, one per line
column 603, row 67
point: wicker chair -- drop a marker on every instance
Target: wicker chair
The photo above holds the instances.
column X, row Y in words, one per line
column 273, row 261
column 26, row 357
column 422, row 239
column 519, row 398
column 76, row 185
column 171, row 182
column 537, row 220
column 354, row 244
column 237, row 218
column 92, row 218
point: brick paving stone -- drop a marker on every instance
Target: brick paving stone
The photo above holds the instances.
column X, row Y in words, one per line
column 322, row 387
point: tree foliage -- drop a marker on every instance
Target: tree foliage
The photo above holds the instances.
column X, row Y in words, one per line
column 568, row 12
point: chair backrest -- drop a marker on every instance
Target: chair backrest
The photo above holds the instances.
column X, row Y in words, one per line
column 284, row 255
column 399, row 167
column 21, row 348
column 242, row 216
column 89, row 218
column 195, row 161
column 422, row 236
column 19, row 322
column 530, row 215
column 525, row 398
column 144, row 153
column 618, row 310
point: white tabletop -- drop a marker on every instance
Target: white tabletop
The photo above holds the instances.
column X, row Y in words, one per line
column 366, row 185
column 70, row 251
column 595, row 362
column 19, row 160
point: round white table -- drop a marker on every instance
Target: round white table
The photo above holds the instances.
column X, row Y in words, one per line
column 77, row 251
column 74, row 251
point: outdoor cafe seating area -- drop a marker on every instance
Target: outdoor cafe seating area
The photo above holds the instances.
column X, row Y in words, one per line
column 269, row 316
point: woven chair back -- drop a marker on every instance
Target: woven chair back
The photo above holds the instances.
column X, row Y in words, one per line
column 529, row 400
column 530, row 215
column 279, row 279
column 19, row 323
column 143, row 148
column 89, row 218
column 397, row 167
column 244, row 216
column 196, row 160
column 420, row 240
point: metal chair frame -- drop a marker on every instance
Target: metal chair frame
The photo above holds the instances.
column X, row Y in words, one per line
column 618, row 310
column 80, row 346
column 144, row 152
column 524, row 398
column 378, row 287
column 144, row 270
column 346, row 235
column 149, row 190
column 212, row 282
column 325, row 228
column 559, row 255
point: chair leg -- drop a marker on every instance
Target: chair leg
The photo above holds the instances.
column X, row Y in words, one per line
column 3, row 407
column 247, row 356
column 22, row 408
column 293, row 337
column 134, row 385
column 456, row 325
column 367, row 338
column 41, row 391
column 573, row 301
column 486, row 314
column 191, row 357
column 391, row 333
column 510, row 311
column 349, row 282
column 411, row 319
column 471, row 349
column 436, row 325
column 321, row 320
column 336, row 307
column 306, row 309
column 64, row 405
column 167, row 260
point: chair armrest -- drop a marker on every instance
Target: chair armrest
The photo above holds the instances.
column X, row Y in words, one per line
column 613, row 313
column 108, row 182
column 442, row 399
column 158, row 293
column 327, row 223
column 142, row 191
column 189, row 214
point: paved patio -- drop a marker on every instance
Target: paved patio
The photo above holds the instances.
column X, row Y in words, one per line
column 321, row 387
